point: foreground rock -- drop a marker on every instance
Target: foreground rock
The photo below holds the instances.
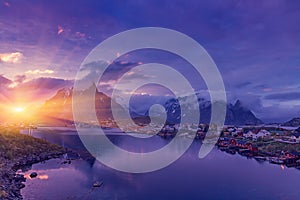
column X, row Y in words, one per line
column 33, row 175
column 18, row 151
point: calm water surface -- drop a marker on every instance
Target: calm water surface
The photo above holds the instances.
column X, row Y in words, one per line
column 218, row 176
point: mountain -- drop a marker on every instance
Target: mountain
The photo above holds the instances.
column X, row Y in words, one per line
column 295, row 122
column 59, row 106
column 58, row 109
column 236, row 114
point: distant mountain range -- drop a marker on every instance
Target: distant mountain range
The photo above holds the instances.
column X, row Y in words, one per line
column 58, row 110
column 295, row 122
column 236, row 114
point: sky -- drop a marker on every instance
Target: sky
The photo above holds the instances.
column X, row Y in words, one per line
column 255, row 45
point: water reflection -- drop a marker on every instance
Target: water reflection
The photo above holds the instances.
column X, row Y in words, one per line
column 41, row 177
column 217, row 176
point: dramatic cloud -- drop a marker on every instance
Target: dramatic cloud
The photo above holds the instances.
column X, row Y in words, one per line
column 32, row 91
column 271, row 113
column 46, row 84
column 17, row 80
column 60, row 30
column 20, row 78
column 4, row 81
column 72, row 35
column 37, row 71
column 113, row 72
column 38, row 90
column 255, row 45
column 284, row 96
column 14, row 57
column 80, row 35
column 4, row 84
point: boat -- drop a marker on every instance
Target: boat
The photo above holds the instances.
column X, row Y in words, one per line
column 105, row 127
column 276, row 161
column 98, row 184
column 231, row 151
column 243, row 150
column 260, row 158
column 222, row 144
column 223, row 148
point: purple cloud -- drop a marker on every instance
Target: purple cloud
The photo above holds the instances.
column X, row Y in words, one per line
column 41, row 84
column 284, row 96
column 4, row 81
column 20, row 79
column 35, row 90
column 256, row 45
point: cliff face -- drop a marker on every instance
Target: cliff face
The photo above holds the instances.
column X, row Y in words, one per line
column 58, row 109
column 237, row 114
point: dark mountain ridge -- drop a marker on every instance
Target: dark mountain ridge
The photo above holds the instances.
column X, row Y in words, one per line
column 236, row 114
column 295, row 122
column 59, row 108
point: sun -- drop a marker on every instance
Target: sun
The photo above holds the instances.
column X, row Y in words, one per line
column 18, row 109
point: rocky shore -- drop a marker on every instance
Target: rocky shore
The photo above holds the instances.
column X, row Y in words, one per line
column 19, row 151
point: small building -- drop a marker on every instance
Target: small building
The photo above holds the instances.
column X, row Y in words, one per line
column 249, row 134
column 261, row 134
column 294, row 138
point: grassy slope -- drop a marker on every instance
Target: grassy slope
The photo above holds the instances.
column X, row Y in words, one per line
column 16, row 149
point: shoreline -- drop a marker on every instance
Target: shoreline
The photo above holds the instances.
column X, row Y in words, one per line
column 11, row 183
column 288, row 156
column 20, row 151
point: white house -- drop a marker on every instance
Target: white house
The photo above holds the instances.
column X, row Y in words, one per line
column 262, row 133
column 249, row 134
column 232, row 130
column 294, row 138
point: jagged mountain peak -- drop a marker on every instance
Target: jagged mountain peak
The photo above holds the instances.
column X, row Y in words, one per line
column 63, row 92
column 236, row 114
column 60, row 106
column 238, row 104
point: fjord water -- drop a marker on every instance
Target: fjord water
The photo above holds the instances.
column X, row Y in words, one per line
column 217, row 176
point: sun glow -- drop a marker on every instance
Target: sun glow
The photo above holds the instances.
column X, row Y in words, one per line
column 18, row 109
column 18, row 113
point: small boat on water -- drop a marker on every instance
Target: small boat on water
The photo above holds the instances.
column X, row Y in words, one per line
column 231, row 151
column 260, row 158
column 106, row 127
column 223, row 148
column 276, row 161
column 243, row 150
column 71, row 156
column 222, row 144
column 98, row 184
